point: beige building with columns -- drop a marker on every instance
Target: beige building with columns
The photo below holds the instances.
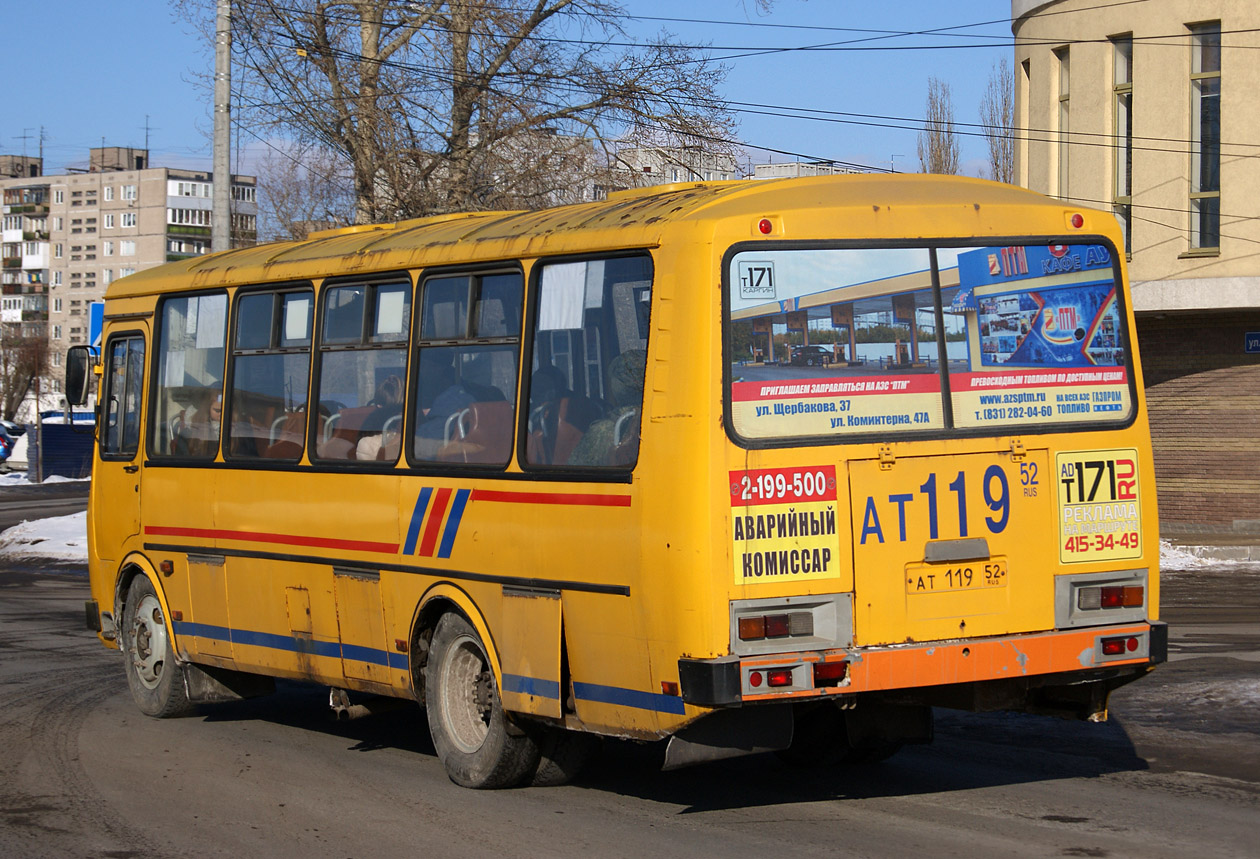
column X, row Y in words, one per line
column 1152, row 110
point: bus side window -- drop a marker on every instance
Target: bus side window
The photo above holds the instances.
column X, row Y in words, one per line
column 189, row 391
column 466, row 359
column 121, row 436
column 270, row 373
column 590, row 357
column 362, row 362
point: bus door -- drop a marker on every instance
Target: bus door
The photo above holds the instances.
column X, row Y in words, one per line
column 952, row 546
column 117, row 475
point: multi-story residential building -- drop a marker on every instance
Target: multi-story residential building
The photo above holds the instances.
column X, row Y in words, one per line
column 659, row 165
column 794, row 169
column 1148, row 112
column 66, row 237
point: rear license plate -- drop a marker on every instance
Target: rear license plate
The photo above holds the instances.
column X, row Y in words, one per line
column 946, row 578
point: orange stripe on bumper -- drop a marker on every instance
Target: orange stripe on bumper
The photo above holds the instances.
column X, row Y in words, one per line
column 967, row 661
column 983, row 659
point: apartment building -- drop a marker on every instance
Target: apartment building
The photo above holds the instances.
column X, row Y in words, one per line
column 1150, row 112
column 66, row 237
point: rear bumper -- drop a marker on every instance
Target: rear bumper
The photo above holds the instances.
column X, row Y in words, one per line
column 730, row 680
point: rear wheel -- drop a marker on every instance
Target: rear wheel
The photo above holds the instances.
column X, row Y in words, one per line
column 476, row 743
column 155, row 678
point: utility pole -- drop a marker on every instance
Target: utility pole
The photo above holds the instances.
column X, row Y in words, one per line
column 220, row 230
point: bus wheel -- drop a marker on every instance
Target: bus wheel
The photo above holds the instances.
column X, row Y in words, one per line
column 475, row 741
column 155, row 678
column 563, row 755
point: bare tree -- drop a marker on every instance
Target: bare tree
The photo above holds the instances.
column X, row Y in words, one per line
column 23, row 357
column 441, row 106
column 997, row 119
column 938, row 143
column 300, row 190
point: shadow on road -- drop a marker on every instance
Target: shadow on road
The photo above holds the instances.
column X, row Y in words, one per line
column 971, row 751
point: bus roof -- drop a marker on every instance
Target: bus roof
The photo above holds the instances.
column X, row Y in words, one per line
column 635, row 218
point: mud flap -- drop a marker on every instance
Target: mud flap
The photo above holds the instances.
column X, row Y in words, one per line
column 731, row 734
column 529, row 651
column 207, row 685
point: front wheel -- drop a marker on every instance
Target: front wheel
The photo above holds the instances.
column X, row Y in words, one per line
column 476, row 743
column 155, row 678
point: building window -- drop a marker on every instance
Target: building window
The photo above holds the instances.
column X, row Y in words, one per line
column 59, row 224
column 109, row 222
column 107, row 249
column 56, row 305
column 1065, row 124
column 56, row 332
column 126, row 270
column 129, row 219
column 107, row 276
column 59, row 196
column 1205, row 138
column 56, row 278
column 129, row 192
column 58, row 250
column 127, row 248
column 109, row 192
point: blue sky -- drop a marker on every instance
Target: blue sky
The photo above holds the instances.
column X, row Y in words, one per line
column 78, row 49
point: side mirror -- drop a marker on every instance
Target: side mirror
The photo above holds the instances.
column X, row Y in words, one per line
column 78, row 375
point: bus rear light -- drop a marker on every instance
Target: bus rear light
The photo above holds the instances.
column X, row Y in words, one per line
column 1077, row 220
column 779, row 677
column 1112, row 646
column 754, row 679
column 765, row 227
column 1112, row 596
column 758, row 627
column 830, row 673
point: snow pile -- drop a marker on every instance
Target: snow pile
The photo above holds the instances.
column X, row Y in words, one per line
column 1172, row 558
column 62, row 538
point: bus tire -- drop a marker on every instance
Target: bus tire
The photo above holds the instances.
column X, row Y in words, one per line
column 154, row 676
column 476, row 743
column 563, row 755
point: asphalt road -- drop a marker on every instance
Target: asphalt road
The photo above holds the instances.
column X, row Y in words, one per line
column 1176, row 771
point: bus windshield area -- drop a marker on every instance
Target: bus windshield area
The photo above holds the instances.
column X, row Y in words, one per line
column 840, row 342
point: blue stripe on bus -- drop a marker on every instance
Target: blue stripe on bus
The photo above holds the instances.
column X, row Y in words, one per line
column 417, row 517
column 293, row 644
column 511, row 682
column 452, row 523
column 531, row 686
column 628, row 698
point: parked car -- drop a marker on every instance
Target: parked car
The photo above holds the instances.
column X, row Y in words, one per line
column 813, row 355
column 13, row 429
column 6, row 442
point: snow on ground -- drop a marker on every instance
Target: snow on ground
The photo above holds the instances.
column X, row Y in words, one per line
column 19, row 478
column 61, row 538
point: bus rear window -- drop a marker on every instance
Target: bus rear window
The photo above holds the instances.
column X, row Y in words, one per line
column 842, row 342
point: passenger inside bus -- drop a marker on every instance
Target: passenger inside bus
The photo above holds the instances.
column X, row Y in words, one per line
column 614, row 440
column 196, row 430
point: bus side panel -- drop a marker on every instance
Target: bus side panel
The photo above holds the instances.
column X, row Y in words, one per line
column 528, row 640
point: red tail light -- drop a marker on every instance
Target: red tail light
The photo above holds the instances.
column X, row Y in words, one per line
column 779, row 677
column 830, row 673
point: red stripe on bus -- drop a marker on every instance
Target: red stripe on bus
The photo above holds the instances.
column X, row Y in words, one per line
column 550, row 498
column 281, row 539
column 434, row 524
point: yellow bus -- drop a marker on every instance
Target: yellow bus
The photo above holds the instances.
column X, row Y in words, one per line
column 751, row 466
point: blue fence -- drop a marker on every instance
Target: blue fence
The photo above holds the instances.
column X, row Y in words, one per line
column 64, row 449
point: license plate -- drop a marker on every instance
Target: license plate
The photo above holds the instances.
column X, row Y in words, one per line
column 965, row 576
